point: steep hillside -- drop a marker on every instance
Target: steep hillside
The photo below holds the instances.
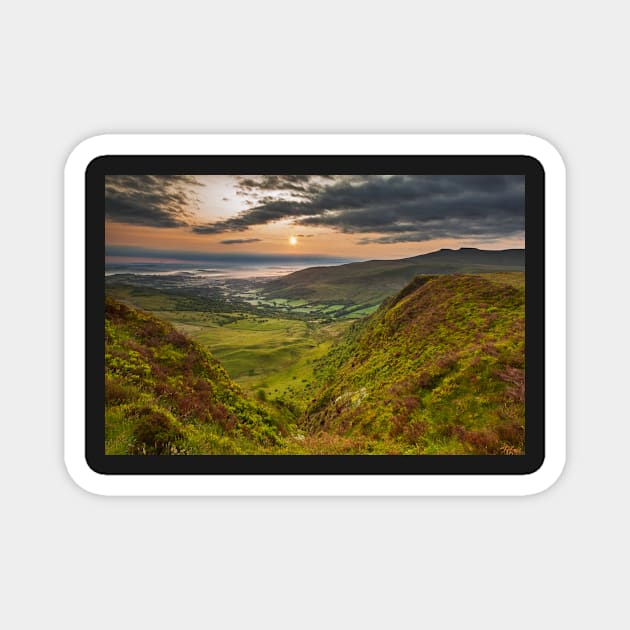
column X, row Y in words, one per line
column 439, row 368
column 372, row 281
column 167, row 395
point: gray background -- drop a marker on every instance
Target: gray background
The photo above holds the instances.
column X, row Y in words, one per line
column 71, row 70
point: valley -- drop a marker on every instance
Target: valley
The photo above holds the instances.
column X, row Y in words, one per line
column 358, row 358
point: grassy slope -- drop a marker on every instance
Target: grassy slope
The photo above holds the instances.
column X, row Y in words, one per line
column 165, row 394
column 268, row 354
column 370, row 282
column 438, row 369
column 270, row 357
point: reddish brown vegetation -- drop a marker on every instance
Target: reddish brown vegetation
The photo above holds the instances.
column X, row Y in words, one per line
column 154, row 432
column 515, row 377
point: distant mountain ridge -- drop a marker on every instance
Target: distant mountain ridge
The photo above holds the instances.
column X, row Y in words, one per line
column 372, row 281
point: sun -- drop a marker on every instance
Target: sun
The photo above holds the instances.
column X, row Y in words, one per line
column 292, row 241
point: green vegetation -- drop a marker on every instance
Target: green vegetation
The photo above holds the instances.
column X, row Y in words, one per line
column 370, row 282
column 274, row 354
column 165, row 394
column 436, row 369
column 150, row 299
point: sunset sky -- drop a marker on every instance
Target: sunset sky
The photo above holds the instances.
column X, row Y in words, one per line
column 343, row 216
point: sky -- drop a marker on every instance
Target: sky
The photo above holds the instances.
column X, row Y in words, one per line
column 358, row 217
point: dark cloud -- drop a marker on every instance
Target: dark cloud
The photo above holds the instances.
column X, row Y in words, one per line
column 398, row 207
column 152, row 200
column 378, row 208
column 266, row 213
column 274, row 182
column 239, row 241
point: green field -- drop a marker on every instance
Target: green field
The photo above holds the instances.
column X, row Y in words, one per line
column 269, row 346
column 274, row 355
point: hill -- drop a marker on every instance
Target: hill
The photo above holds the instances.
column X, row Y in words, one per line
column 165, row 394
column 370, row 282
column 438, row 369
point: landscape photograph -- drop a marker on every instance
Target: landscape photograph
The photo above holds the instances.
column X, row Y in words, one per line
column 315, row 315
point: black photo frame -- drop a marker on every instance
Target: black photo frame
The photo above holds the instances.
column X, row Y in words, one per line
column 524, row 464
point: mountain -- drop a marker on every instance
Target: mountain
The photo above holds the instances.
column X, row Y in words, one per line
column 165, row 394
column 370, row 282
column 438, row 369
